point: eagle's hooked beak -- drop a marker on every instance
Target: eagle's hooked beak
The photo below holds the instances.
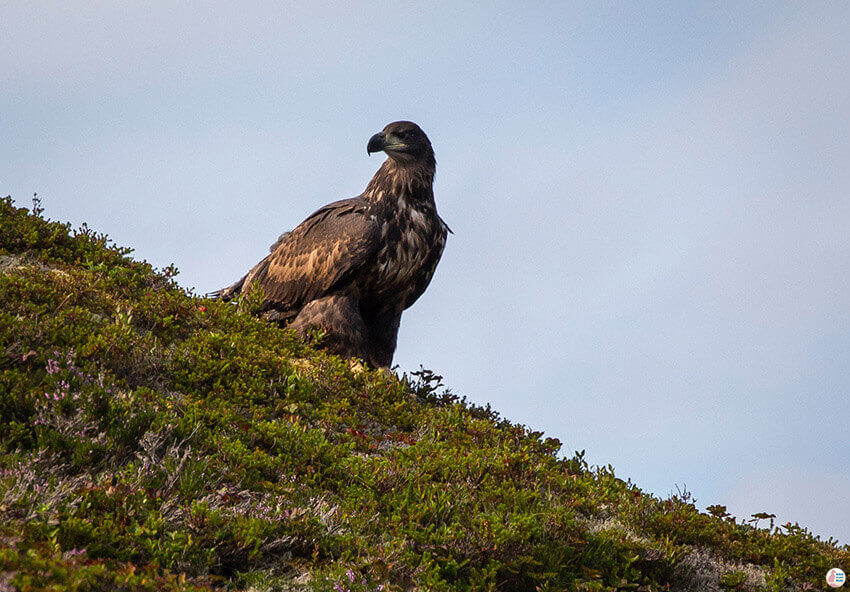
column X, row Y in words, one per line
column 376, row 143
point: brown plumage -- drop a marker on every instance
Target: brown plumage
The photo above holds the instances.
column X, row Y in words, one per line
column 353, row 266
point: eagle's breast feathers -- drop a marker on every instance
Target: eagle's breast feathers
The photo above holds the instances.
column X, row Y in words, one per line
column 412, row 241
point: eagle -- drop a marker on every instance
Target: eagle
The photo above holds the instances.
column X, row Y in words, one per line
column 352, row 267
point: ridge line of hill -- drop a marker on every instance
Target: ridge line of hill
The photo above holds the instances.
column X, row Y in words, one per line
column 152, row 439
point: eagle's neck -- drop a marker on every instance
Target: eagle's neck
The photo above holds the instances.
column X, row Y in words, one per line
column 413, row 181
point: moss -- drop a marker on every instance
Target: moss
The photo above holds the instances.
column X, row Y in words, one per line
column 152, row 439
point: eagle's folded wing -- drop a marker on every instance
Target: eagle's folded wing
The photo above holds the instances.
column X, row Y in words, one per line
column 320, row 255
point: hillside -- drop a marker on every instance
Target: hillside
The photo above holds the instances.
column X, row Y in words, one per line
column 154, row 440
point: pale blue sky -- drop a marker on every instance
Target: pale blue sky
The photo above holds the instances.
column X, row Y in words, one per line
column 651, row 201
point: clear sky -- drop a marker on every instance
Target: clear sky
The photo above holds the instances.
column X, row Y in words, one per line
column 651, row 201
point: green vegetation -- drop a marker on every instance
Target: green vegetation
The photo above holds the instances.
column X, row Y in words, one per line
column 154, row 440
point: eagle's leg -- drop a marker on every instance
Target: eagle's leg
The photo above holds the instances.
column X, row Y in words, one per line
column 338, row 317
column 382, row 327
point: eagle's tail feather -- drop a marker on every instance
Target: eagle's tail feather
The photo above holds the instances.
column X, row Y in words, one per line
column 229, row 292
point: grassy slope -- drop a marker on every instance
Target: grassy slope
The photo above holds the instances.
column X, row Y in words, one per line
column 155, row 440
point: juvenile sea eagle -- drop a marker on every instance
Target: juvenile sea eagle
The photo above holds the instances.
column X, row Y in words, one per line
column 353, row 266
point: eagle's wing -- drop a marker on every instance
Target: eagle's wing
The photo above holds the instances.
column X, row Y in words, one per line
column 317, row 257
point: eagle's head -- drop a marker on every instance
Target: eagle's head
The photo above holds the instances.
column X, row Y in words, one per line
column 403, row 141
